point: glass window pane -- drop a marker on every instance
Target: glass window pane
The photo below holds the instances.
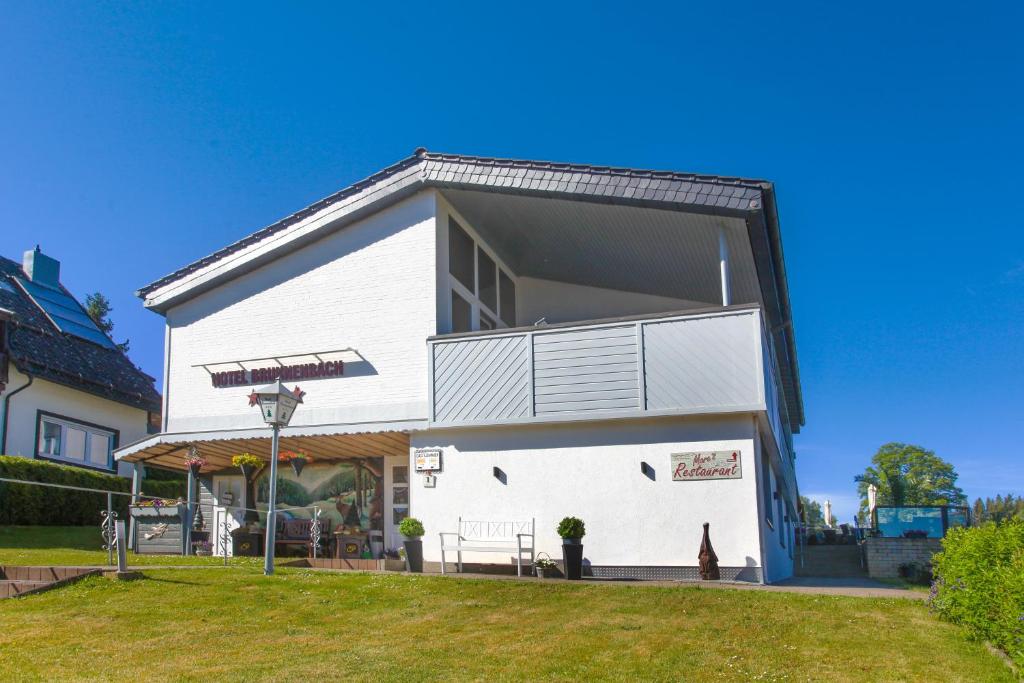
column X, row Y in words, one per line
column 487, row 274
column 99, row 449
column 486, row 322
column 462, row 314
column 75, row 447
column 460, row 254
column 49, row 439
column 508, row 300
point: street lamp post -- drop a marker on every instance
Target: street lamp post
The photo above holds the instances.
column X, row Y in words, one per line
column 277, row 405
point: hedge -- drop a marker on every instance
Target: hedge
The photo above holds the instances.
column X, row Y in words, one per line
column 979, row 583
column 40, row 505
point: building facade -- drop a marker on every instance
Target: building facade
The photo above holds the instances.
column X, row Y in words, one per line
column 68, row 394
column 606, row 343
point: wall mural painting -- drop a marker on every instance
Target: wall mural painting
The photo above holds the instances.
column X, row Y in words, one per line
column 349, row 492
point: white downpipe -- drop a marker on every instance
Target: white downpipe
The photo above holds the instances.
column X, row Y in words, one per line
column 723, row 262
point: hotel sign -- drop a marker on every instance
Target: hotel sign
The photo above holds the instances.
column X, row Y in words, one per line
column 706, row 465
column 285, row 373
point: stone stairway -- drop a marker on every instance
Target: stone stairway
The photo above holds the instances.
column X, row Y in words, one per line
column 15, row 581
column 830, row 561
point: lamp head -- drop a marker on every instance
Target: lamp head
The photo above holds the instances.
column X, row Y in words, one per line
column 277, row 403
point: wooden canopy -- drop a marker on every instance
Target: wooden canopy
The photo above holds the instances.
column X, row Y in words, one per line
column 218, row 452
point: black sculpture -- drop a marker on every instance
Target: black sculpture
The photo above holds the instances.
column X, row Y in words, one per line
column 707, row 558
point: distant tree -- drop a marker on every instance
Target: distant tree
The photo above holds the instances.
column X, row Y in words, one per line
column 813, row 516
column 906, row 474
column 98, row 307
column 998, row 509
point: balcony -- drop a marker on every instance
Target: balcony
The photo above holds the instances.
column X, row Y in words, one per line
column 691, row 362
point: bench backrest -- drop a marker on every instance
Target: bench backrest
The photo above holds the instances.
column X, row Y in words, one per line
column 483, row 531
column 298, row 529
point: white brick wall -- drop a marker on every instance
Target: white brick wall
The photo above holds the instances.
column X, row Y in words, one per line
column 370, row 286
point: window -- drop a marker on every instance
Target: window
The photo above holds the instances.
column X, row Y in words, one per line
column 80, row 443
column 483, row 294
column 487, row 279
column 782, row 525
column 462, row 314
column 508, row 300
column 460, row 255
column 766, row 486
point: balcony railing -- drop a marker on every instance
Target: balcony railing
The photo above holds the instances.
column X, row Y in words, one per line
column 710, row 361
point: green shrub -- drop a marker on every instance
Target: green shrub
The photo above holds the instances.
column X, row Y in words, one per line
column 411, row 528
column 979, row 583
column 572, row 527
column 44, row 506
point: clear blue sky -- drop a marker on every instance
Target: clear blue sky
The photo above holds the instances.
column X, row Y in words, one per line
column 136, row 139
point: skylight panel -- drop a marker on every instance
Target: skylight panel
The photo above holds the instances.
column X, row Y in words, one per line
column 65, row 312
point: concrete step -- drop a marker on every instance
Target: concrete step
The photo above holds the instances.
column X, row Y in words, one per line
column 16, row 581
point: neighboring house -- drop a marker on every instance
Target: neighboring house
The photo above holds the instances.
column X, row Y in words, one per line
column 558, row 339
column 67, row 393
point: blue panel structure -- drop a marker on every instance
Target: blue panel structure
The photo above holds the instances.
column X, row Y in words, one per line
column 65, row 312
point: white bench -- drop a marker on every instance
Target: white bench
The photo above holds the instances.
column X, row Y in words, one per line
column 476, row 536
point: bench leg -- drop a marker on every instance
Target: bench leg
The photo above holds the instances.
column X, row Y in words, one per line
column 460, row 561
column 519, row 563
column 442, row 560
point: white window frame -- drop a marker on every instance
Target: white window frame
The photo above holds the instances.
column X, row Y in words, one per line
column 476, row 306
column 90, row 430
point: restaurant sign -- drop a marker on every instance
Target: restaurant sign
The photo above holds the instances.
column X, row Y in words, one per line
column 706, row 465
column 427, row 459
column 285, row 373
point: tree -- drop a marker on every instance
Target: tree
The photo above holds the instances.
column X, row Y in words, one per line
column 906, row 474
column 998, row 509
column 98, row 307
column 813, row 515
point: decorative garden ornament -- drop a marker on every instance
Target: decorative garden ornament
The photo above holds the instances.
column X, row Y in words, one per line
column 707, row 558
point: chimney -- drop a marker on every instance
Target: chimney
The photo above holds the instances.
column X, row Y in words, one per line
column 40, row 268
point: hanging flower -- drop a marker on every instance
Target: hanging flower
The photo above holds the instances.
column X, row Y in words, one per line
column 194, row 459
column 288, row 456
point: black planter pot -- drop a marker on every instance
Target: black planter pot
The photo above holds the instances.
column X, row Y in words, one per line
column 414, row 555
column 194, row 468
column 572, row 556
column 247, row 472
column 297, row 465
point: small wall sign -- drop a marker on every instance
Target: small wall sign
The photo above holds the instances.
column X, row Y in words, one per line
column 429, row 481
column 427, row 459
column 706, row 465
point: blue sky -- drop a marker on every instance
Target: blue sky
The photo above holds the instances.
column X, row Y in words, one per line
column 135, row 139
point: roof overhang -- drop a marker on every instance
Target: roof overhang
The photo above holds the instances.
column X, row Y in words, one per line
column 167, row 450
column 750, row 203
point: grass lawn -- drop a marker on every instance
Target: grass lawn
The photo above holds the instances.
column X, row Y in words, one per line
column 236, row 624
column 82, row 545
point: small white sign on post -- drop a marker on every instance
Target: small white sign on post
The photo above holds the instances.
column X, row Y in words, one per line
column 705, row 465
column 427, row 459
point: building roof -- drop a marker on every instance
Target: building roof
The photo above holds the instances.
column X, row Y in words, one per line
column 38, row 347
column 749, row 199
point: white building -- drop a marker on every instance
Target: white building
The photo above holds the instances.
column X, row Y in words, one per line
column 67, row 393
column 570, row 337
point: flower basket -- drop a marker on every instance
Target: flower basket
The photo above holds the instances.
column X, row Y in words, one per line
column 248, row 463
column 298, row 460
column 544, row 567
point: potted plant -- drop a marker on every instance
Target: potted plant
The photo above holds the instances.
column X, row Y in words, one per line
column 247, row 462
column 572, row 531
column 202, row 548
column 194, row 461
column 412, row 529
column 298, row 460
column 543, row 566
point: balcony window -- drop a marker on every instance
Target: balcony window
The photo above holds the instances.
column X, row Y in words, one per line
column 508, row 300
column 460, row 255
column 78, row 443
column 483, row 294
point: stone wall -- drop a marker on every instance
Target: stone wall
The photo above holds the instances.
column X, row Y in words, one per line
column 885, row 555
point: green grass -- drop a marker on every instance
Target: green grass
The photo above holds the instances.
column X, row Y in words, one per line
column 81, row 545
column 236, row 624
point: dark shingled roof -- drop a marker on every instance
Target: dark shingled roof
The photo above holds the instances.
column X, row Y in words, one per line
column 39, row 348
